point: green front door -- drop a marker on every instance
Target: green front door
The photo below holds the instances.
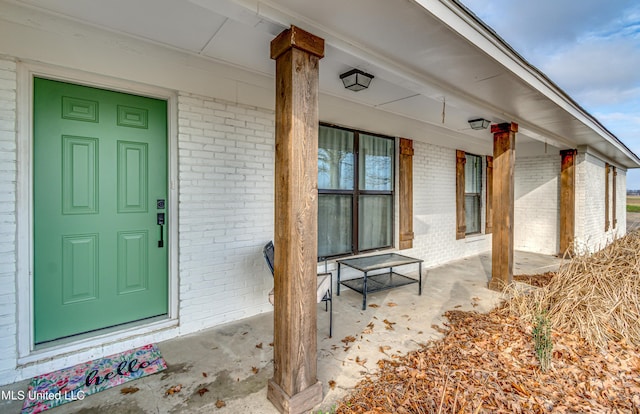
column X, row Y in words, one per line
column 100, row 182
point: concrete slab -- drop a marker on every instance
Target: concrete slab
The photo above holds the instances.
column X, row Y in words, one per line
column 633, row 221
column 233, row 362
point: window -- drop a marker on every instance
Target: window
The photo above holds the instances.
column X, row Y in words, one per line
column 610, row 170
column 469, row 194
column 355, row 191
column 472, row 193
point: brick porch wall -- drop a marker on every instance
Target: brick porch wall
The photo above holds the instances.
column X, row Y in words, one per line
column 226, row 167
column 537, row 206
column 8, row 176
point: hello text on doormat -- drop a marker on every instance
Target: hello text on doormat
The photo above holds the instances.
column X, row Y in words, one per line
column 74, row 383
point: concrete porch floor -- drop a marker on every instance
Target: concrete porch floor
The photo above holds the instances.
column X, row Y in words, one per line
column 237, row 357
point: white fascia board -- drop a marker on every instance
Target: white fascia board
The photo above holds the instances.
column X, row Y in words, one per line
column 451, row 13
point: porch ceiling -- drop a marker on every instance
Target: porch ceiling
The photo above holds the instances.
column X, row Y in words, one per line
column 425, row 55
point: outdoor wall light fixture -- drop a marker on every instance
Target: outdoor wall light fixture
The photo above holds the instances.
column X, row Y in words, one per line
column 479, row 123
column 356, row 80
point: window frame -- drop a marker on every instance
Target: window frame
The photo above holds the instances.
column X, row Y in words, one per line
column 356, row 192
column 486, row 192
column 610, row 219
column 477, row 195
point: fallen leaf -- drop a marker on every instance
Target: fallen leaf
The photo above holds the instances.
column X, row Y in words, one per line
column 220, row 404
column 388, row 325
column 384, row 348
column 201, row 391
column 255, row 370
column 332, row 384
column 391, row 304
column 348, row 339
column 259, row 346
column 204, row 374
column 129, row 390
column 369, row 328
column 173, row 390
column 373, row 305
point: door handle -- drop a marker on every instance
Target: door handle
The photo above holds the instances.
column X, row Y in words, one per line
column 160, row 204
column 160, row 221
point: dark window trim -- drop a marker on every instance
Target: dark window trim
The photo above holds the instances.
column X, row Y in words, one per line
column 356, row 192
column 607, row 169
column 478, row 195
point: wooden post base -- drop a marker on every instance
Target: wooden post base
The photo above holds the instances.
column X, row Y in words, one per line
column 302, row 402
column 497, row 284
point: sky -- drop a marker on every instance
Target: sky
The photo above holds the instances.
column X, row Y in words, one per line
column 589, row 48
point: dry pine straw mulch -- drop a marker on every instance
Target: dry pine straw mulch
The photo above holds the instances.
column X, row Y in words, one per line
column 487, row 363
column 540, row 280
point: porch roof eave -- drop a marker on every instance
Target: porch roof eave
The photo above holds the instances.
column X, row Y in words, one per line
column 465, row 23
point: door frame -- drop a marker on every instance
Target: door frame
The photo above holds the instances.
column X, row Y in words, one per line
column 27, row 351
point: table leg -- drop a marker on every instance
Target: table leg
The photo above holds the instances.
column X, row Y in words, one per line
column 338, row 286
column 420, row 282
column 364, row 292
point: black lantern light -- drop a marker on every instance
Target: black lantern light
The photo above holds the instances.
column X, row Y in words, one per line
column 479, row 123
column 356, row 80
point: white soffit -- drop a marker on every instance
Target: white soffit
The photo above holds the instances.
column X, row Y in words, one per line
column 179, row 24
column 242, row 45
column 431, row 48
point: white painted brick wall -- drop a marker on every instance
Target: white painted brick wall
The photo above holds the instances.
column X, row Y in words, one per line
column 434, row 208
column 226, row 159
column 590, row 201
column 8, row 160
column 536, row 206
column 226, row 166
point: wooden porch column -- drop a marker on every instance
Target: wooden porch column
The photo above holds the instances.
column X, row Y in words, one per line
column 567, row 200
column 504, row 158
column 294, row 387
column 406, row 194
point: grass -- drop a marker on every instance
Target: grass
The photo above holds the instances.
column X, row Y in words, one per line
column 542, row 340
column 633, row 204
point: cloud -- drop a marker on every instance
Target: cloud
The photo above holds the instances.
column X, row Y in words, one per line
column 589, row 48
column 599, row 72
column 625, row 123
column 537, row 27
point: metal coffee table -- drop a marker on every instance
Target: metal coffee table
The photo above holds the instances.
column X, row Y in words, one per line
column 379, row 281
